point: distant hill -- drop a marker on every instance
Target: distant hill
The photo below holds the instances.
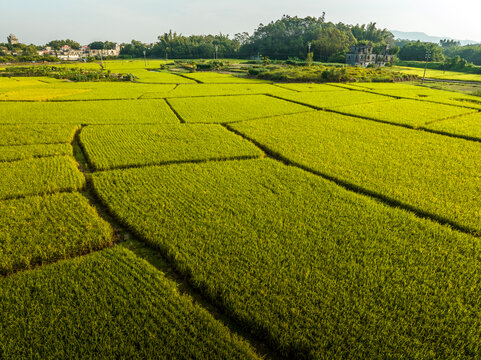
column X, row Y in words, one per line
column 426, row 38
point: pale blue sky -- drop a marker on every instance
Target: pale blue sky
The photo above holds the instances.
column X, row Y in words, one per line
column 35, row 21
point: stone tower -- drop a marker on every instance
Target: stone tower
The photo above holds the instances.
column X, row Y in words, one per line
column 12, row 39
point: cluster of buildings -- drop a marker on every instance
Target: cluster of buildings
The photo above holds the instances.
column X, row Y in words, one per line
column 66, row 52
column 362, row 56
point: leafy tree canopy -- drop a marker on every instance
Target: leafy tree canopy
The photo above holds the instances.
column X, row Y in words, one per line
column 57, row 44
column 102, row 45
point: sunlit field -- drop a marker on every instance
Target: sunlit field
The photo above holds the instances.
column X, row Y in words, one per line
column 207, row 215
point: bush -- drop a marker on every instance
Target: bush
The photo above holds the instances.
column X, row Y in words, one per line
column 74, row 74
column 321, row 73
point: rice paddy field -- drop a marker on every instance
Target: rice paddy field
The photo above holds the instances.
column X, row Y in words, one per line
column 438, row 74
column 209, row 216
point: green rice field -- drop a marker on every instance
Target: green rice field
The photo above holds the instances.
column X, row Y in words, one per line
column 114, row 146
column 206, row 215
column 438, row 74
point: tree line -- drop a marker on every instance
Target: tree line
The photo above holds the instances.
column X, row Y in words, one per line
column 288, row 37
column 282, row 39
column 448, row 53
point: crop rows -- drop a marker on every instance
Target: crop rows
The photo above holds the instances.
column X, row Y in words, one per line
column 388, row 263
column 107, row 305
column 114, row 146
column 336, row 98
column 144, row 74
column 87, row 112
column 116, row 90
column 160, row 77
column 7, row 84
column 36, row 134
column 317, row 270
column 188, row 90
column 39, row 176
column 468, row 126
column 438, row 74
column 433, row 173
column 418, row 93
column 219, row 78
column 36, row 230
column 303, row 87
column 223, row 109
column 22, row 152
column 38, row 94
column 405, row 112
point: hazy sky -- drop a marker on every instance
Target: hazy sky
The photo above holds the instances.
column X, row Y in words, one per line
column 38, row 22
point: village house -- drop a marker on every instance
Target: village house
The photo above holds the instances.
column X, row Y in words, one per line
column 67, row 53
column 362, row 55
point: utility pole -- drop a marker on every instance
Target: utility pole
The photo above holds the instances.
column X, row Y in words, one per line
column 145, row 60
column 428, row 56
column 309, row 58
column 216, row 48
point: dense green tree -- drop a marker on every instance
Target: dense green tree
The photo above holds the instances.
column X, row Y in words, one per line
column 57, row 44
column 416, row 50
column 287, row 37
column 471, row 53
column 134, row 49
column 96, row 45
column 371, row 33
column 102, row 45
column 176, row 46
column 30, row 50
column 330, row 40
column 446, row 44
